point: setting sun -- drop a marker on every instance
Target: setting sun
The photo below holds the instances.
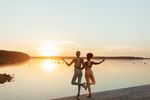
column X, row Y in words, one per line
column 49, row 50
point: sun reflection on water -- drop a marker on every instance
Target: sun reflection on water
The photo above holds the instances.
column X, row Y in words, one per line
column 49, row 65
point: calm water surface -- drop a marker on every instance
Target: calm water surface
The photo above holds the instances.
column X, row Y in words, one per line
column 43, row 79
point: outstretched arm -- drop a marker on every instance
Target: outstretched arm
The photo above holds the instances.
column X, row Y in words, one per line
column 68, row 64
column 96, row 63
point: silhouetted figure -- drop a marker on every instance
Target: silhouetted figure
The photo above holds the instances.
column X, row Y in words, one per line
column 5, row 78
column 77, row 71
column 89, row 76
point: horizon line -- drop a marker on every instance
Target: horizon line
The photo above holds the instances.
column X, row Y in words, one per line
column 97, row 57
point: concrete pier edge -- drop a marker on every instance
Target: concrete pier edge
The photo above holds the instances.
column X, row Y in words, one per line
column 132, row 93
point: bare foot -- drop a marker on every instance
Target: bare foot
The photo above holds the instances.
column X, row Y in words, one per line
column 84, row 86
column 89, row 96
column 78, row 96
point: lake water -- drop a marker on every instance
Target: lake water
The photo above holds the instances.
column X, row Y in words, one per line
column 44, row 79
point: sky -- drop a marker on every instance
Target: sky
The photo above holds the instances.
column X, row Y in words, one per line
column 104, row 27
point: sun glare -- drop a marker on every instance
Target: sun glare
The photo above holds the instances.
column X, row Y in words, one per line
column 49, row 50
column 49, row 66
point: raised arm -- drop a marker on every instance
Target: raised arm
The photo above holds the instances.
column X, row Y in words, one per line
column 96, row 63
column 68, row 64
column 83, row 66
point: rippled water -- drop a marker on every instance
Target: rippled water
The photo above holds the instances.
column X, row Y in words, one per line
column 43, row 79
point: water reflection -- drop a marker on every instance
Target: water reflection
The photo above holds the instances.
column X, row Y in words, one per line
column 49, row 65
column 12, row 63
column 47, row 74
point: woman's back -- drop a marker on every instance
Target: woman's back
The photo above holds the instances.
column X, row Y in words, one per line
column 88, row 65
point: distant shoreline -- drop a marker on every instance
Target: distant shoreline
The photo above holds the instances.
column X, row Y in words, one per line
column 96, row 57
column 10, row 57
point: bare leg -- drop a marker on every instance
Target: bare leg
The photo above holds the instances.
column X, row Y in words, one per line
column 92, row 78
column 89, row 89
column 88, row 83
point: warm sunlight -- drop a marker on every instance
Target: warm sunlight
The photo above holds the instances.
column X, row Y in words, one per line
column 49, row 65
column 49, row 50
